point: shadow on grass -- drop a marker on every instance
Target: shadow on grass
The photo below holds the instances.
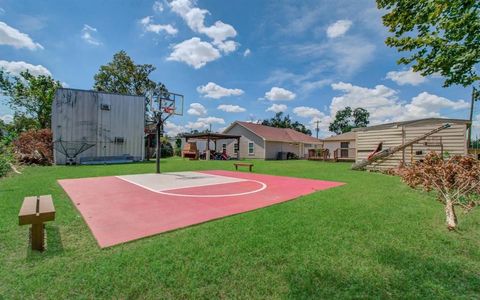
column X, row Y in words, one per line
column 401, row 275
column 53, row 245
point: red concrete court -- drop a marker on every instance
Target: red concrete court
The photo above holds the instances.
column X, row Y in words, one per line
column 125, row 208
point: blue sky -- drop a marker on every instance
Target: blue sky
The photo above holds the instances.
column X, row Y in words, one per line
column 233, row 60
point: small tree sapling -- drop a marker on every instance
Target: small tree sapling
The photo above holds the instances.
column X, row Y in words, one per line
column 456, row 180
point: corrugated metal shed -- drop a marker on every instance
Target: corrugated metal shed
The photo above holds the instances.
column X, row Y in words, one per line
column 111, row 124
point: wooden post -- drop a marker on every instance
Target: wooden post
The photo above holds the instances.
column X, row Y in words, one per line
column 207, row 152
column 411, row 154
column 37, row 232
column 238, row 148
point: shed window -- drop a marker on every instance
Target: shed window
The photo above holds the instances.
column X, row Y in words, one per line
column 235, row 148
column 250, row 148
column 224, row 147
column 119, row 140
column 419, row 152
column 105, row 106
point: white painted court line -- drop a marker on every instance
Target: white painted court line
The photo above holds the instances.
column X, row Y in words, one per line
column 263, row 186
column 174, row 176
column 177, row 180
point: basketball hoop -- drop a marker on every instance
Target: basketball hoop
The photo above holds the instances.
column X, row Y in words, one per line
column 162, row 106
column 169, row 110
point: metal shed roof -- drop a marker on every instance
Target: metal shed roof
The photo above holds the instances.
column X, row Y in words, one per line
column 410, row 122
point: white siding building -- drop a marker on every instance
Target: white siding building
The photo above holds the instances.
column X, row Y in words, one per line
column 452, row 140
column 265, row 142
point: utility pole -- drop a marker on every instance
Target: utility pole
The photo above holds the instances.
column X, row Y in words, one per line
column 318, row 128
column 475, row 95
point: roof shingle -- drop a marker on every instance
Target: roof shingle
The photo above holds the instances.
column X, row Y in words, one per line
column 279, row 134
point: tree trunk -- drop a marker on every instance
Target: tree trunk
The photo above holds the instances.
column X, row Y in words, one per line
column 451, row 217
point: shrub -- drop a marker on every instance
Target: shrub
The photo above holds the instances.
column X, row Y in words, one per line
column 166, row 149
column 456, row 181
column 5, row 166
column 34, row 147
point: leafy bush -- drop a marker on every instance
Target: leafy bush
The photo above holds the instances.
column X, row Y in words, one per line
column 166, row 149
column 291, row 155
column 178, row 152
column 34, row 147
column 4, row 161
column 456, row 181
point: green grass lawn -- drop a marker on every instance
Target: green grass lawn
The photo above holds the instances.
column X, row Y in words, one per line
column 372, row 238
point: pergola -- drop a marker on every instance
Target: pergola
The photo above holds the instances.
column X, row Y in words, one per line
column 213, row 137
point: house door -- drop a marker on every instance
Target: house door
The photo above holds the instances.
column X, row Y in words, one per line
column 344, row 149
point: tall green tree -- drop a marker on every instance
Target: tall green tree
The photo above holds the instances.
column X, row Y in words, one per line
column 281, row 121
column 30, row 95
column 443, row 36
column 123, row 76
column 347, row 119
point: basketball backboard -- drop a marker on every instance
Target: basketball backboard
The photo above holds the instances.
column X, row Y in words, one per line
column 167, row 103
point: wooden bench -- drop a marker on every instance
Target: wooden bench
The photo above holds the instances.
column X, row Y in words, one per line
column 249, row 165
column 35, row 211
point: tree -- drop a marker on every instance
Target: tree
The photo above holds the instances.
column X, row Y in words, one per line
column 456, row 181
column 123, row 76
column 281, row 121
column 347, row 119
column 443, row 36
column 31, row 96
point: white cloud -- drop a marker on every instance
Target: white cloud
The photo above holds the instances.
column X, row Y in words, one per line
column 157, row 6
column 88, row 33
column 279, row 94
column 149, row 26
column 213, row 90
column 338, row 28
column 307, row 112
column 406, row 77
column 219, row 32
column 16, row 67
column 247, row 52
column 343, row 56
column 197, row 109
column 173, row 129
column 276, row 108
column 194, row 52
column 303, row 81
column 427, row 105
column 12, row 37
column 385, row 106
column 212, row 120
column 204, row 123
column 2, row 11
column 7, row 119
column 231, row 108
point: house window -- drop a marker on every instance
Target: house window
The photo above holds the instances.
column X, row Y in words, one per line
column 235, row 148
column 344, row 145
column 250, row 148
column 224, row 147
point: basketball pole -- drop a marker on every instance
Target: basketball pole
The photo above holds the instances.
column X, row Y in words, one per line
column 158, row 134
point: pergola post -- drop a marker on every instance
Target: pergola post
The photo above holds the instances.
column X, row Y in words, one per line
column 207, row 154
column 238, row 148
